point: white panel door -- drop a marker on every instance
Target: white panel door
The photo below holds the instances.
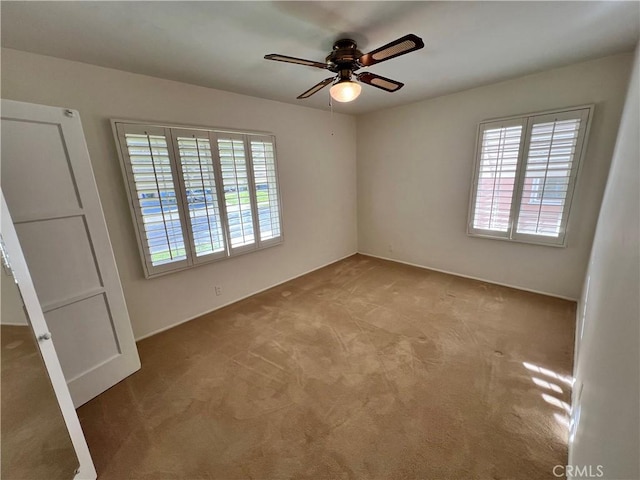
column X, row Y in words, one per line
column 49, row 187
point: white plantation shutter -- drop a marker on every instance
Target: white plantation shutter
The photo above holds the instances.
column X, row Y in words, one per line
column 526, row 169
column 198, row 177
column 266, row 182
column 554, row 147
column 198, row 195
column 495, row 179
column 156, row 203
column 237, row 191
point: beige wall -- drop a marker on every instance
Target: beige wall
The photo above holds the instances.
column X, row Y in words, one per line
column 606, row 414
column 415, row 167
column 316, row 160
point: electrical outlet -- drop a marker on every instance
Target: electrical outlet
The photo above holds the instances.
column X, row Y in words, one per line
column 218, row 289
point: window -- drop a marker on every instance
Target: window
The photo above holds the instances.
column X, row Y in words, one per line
column 525, row 172
column 198, row 195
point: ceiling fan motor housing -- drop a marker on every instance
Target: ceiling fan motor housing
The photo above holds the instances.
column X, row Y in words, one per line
column 344, row 56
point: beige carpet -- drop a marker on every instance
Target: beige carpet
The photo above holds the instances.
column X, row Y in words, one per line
column 365, row 369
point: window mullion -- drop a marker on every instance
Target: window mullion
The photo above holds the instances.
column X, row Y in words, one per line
column 217, row 172
column 521, row 167
column 252, row 191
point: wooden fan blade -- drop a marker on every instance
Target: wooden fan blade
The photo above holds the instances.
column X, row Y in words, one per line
column 406, row 44
column 380, row 82
column 315, row 88
column 298, row 61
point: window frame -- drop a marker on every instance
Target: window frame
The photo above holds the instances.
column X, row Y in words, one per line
column 171, row 133
column 527, row 121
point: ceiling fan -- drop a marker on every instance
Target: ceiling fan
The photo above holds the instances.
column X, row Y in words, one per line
column 346, row 59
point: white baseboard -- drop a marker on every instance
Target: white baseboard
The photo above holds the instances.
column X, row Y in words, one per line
column 160, row 330
column 469, row 277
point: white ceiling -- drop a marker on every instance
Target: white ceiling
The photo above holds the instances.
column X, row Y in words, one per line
column 222, row 44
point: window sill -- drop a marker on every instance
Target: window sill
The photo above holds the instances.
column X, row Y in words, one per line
column 556, row 242
column 213, row 260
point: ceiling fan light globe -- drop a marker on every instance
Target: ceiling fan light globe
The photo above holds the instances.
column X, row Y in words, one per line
column 345, row 91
